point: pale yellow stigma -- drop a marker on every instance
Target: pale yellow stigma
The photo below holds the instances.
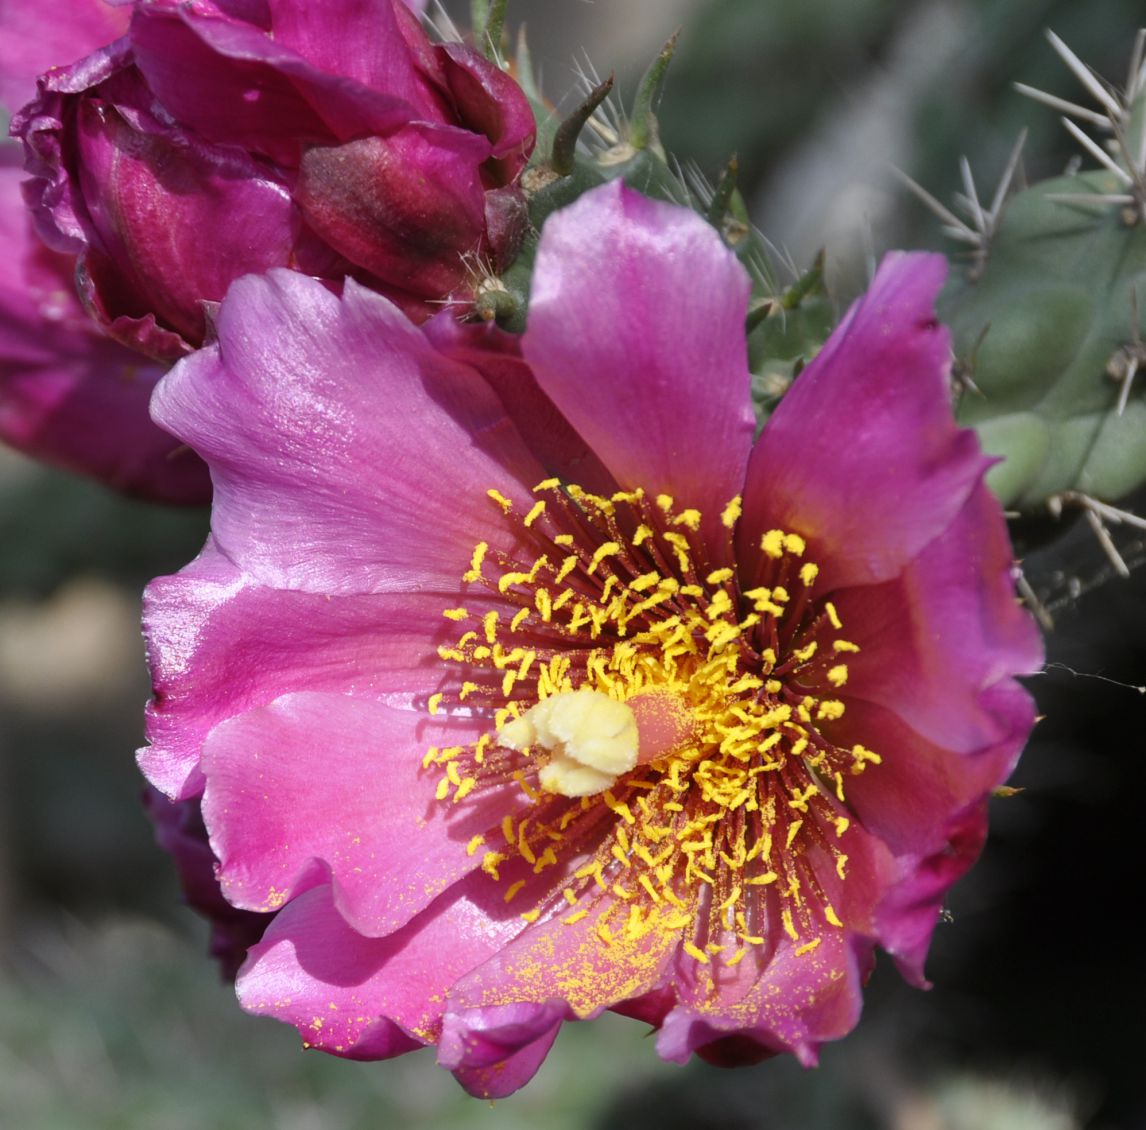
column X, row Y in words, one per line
column 591, row 740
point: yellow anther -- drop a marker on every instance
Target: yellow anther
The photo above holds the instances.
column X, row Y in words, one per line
column 833, row 615
column 793, row 543
column 468, row 688
column 434, row 703
column 500, row 499
column 695, row 953
column 719, row 576
column 807, row 947
column 567, row 566
column 665, row 502
column 519, row 618
column 844, row 645
column 547, row 484
column 489, row 625
column 474, row 574
column 730, row 515
column 531, row 915
column 793, row 831
column 688, row 518
column 455, row 613
column 642, row 534
column 513, row 889
column 490, row 861
column 841, row 864
column 808, row 573
column 442, row 790
column 789, row 925
column 763, row 880
column 609, row 549
column 772, row 543
column 803, row 654
column 830, row 709
column 831, row 916
column 838, row 675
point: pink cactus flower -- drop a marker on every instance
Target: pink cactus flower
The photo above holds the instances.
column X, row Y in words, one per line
column 519, row 688
column 216, row 139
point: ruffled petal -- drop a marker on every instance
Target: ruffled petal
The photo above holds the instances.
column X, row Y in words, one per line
column 219, row 644
column 68, row 395
column 368, row 820
column 863, row 457
column 935, row 641
column 636, row 332
column 303, row 412
column 36, row 36
column 370, row 998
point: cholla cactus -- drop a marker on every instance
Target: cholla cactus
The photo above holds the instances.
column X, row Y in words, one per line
column 1046, row 314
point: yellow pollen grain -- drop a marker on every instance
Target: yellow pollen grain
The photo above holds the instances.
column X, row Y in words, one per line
column 730, row 515
column 500, row 499
column 434, row 703
column 513, row 889
column 695, row 953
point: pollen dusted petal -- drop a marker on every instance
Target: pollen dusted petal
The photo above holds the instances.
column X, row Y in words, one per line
column 660, row 387
column 279, row 827
column 664, row 721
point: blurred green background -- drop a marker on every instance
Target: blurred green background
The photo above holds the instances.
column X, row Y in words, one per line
column 111, row 1015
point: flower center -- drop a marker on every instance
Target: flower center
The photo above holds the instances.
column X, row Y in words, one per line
column 667, row 729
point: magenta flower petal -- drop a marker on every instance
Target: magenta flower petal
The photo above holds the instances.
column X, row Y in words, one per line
column 496, row 1051
column 401, row 206
column 637, row 335
column 68, row 395
column 292, row 506
column 863, row 454
column 947, row 636
column 302, row 641
column 632, row 768
column 388, row 992
column 35, row 37
column 349, row 823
